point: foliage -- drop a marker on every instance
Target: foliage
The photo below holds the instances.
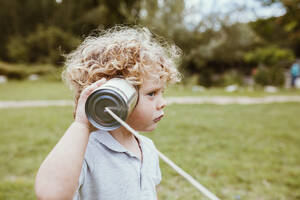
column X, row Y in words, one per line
column 45, row 45
column 272, row 76
column 232, row 77
column 285, row 27
column 20, row 18
column 261, row 77
column 271, row 56
column 265, row 29
column 20, row 72
column 165, row 18
column 216, row 52
column 214, row 46
column 82, row 16
column 205, row 78
column 78, row 17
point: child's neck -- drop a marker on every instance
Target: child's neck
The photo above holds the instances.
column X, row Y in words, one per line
column 128, row 140
column 122, row 135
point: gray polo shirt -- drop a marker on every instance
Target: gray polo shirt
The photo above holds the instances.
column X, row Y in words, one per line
column 111, row 172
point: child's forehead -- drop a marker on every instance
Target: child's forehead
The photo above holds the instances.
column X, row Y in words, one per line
column 152, row 83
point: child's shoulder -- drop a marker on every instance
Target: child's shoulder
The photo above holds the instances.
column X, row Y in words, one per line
column 147, row 141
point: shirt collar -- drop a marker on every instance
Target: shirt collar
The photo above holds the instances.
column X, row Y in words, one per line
column 109, row 141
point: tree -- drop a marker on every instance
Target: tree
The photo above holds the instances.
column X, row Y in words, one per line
column 82, row 16
column 21, row 17
column 287, row 27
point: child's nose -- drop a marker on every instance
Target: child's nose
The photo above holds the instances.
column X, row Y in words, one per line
column 162, row 103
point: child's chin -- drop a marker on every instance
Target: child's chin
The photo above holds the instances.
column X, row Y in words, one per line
column 149, row 129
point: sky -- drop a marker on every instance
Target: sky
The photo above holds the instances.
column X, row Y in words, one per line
column 197, row 9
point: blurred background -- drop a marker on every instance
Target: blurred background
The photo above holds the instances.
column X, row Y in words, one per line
column 224, row 42
column 232, row 49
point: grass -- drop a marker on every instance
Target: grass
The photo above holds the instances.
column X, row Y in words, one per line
column 236, row 151
column 54, row 90
column 249, row 152
column 189, row 90
column 34, row 90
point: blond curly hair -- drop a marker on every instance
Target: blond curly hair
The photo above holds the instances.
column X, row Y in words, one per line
column 129, row 52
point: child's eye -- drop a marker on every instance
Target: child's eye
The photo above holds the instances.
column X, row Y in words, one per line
column 151, row 94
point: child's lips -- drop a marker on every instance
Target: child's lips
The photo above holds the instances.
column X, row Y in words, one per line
column 158, row 118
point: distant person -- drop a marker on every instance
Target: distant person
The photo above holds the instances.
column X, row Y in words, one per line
column 93, row 164
column 295, row 72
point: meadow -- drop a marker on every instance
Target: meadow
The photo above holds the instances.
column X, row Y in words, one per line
column 54, row 90
column 239, row 152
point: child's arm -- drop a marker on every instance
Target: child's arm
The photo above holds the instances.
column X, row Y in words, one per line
column 58, row 175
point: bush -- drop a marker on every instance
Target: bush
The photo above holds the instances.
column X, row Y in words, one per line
column 45, row 45
column 277, row 77
column 232, row 78
column 205, row 78
column 272, row 76
column 17, row 49
column 271, row 56
column 20, row 72
column 261, row 77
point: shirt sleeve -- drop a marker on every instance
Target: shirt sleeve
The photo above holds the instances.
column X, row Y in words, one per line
column 81, row 180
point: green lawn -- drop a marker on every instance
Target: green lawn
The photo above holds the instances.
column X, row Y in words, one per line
column 180, row 90
column 247, row 152
column 53, row 90
column 34, row 90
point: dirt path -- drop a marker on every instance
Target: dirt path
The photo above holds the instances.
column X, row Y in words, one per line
column 222, row 100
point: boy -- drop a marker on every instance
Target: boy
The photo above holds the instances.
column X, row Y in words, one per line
column 94, row 164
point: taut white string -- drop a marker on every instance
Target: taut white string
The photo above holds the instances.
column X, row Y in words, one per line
column 180, row 171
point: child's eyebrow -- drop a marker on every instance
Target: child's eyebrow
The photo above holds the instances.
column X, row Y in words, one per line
column 156, row 88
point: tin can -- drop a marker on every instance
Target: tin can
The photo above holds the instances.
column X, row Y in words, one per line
column 119, row 96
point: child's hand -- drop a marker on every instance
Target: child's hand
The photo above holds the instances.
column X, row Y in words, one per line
column 80, row 115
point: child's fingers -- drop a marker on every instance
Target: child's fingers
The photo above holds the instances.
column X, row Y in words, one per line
column 88, row 90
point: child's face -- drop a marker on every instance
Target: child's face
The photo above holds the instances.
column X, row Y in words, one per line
column 149, row 109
